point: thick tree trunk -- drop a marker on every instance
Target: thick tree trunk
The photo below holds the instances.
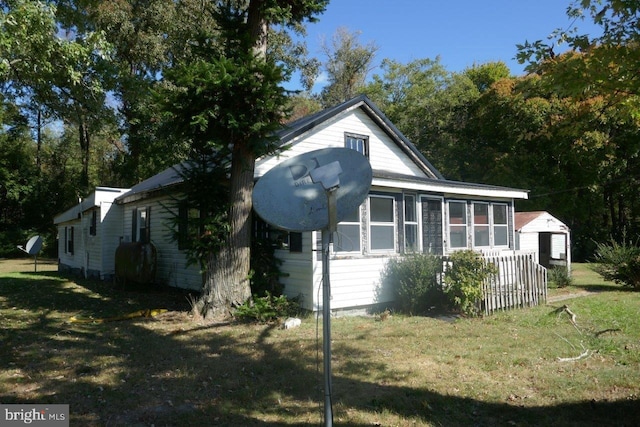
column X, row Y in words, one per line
column 227, row 276
column 84, row 135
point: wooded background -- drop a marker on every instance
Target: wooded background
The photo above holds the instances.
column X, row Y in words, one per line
column 90, row 94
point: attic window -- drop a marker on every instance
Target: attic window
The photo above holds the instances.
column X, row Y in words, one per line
column 360, row 143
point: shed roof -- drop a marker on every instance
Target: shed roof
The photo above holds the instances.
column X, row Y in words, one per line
column 524, row 219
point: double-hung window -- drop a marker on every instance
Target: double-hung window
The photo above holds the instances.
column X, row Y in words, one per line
column 457, row 224
column 348, row 236
column 481, row 226
column 410, row 224
column 500, row 225
column 141, row 225
column 490, row 227
column 68, row 240
column 382, row 223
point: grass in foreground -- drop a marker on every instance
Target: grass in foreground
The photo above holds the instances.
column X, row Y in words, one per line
column 170, row 370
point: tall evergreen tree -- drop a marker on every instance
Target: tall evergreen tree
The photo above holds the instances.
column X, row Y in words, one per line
column 228, row 102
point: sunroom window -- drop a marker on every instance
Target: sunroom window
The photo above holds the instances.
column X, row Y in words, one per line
column 382, row 223
column 500, row 225
column 410, row 224
column 348, row 235
column 481, row 225
column 457, row 224
column 490, row 228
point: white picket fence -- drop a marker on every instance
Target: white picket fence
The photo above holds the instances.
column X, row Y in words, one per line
column 520, row 282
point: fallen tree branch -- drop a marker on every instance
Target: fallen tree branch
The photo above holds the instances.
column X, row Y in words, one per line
column 607, row 330
column 586, row 353
column 570, row 313
column 572, row 316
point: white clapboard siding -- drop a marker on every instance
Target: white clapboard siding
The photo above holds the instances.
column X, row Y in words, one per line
column 355, row 282
column 384, row 154
column 92, row 243
column 110, row 233
column 297, row 282
column 172, row 263
column 68, row 259
column 297, row 272
column 529, row 242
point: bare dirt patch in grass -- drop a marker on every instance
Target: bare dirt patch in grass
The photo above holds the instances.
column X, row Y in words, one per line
column 172, row 370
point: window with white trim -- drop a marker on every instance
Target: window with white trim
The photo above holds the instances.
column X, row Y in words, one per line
column 382, row 223
column 410, row 223
column 347, row 238
column 360, row 143
column 500, row 225
column 457, row 224
column 481, row 225
column 490, row 226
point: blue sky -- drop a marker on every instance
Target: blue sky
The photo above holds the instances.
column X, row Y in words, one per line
column 461, row 32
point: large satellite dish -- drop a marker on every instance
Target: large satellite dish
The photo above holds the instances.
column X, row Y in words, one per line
column 292, row 195
column 33, row 247
column 315, row 191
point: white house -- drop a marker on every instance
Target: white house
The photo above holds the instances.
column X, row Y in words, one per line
column 546, row 236
column 89, row 233
column 410, row 207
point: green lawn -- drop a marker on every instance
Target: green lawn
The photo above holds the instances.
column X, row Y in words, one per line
column 511, row 368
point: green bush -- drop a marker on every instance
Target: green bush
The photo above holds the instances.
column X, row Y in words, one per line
column 559, row 277
column 619, row 262
column 268, row 308
column 415, row 282
column 463, row 279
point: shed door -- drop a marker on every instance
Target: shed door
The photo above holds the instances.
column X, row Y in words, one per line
column 544, row 246
column 432, row 226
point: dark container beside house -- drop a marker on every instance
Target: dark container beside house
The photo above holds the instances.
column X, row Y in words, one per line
column 136, row 262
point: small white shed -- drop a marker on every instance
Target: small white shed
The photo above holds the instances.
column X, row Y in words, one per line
column 546, row 236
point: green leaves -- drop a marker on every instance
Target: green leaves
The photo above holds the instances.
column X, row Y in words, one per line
column 603, row 64
column 464, row 276
column 226, row 100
